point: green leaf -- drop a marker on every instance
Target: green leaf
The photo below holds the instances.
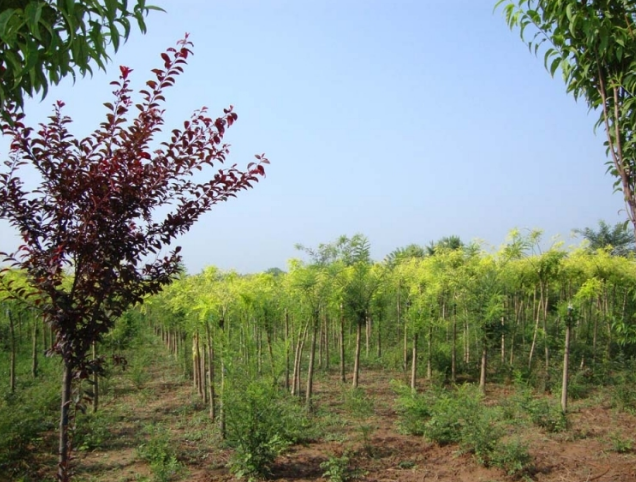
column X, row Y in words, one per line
column 33, row 13
column 555, row 65
column 4, row 20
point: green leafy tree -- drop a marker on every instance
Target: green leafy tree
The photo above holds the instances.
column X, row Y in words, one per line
column 594, row 45
column 43, row 41
column 618, row 239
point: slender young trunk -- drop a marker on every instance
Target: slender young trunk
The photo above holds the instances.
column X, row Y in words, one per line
column 44, row 338
column 405, row 347
column 536, row 327
column 367, row 334
column 298, row 359
column 186, row 361
column 466, row 341
column 64, row 446
column 204, row 377
column 310, row 368
column 503, row 340
column 327, row 342
column 594, row 341
column 287, row 341
column 320, row 343
column 356, row 361
column 484, row 362
column 343, row 376
column 258, row 336
column 429, row 358
column 195, row 361
column 566, row 360
column 211, row 394
column 454, row 349
column 222, row 398
column 545, row 331
column 34, row 350
column 379, row 330
column 13, row 352
column 414, row 363
column 95, row 381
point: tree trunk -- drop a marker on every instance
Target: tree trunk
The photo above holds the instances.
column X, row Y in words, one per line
column 454, row 349
column 34, row 351
column 379, row 330
column 356, row 362
column 327, row 342
column 64, row 446
column 429, row 359
column 343, row 376
column 414, row 364
column 287, row 341
column 211, row 394
column 195, row 362
column 536, row 330
column 566, row 360
column 545, row 332
column 405, row 347
column 298, row 359
column 13, row 352
column 503, row 340
column 310, row 368
column 367, row 333
column 203, row 372
column 95, row 381
column 320, row 342
column 484, row 363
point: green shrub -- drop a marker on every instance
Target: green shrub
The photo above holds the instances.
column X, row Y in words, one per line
column 624, row 397
column 261, row 423
column 413, row 409
column 158, row 451
column 546, row 414
column 336, row 469
column 620, row 444
column 579, row 385
column 480, row 435
column 357, row 403
column 93, row 431
column 512, row 457
column 24, row 418
column 451, row 412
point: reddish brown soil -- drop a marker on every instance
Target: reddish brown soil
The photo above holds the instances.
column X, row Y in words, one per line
column 583, row 453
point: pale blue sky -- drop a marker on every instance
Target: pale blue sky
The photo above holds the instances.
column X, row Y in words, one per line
column 404, row 120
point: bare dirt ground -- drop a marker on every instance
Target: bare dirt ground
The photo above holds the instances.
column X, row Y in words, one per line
column 586, row 452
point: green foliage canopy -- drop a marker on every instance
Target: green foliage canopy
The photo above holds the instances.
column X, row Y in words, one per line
column 43, row 41
column 593, row 42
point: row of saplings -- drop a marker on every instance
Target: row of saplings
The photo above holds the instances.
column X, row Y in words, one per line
column 263, row 421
